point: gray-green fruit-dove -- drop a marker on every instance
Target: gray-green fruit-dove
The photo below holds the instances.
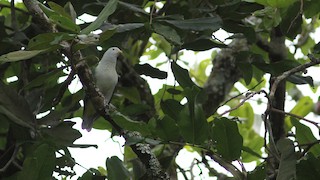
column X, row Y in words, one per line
column 106, row 80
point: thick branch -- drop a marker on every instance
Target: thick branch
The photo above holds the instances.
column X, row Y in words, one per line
column 223, row 76
column 144, row 153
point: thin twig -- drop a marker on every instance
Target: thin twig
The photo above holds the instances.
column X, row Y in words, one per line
column 71, row 159
column 13, row 17
column 228, row 166
column 234, row 97
column 314, row 61
column 309, row 146
column 249, row 95
column 294, row 115
column 297, row 16
column 152, row 11
column 183, row 172
column 14, row 154
column 63, row 88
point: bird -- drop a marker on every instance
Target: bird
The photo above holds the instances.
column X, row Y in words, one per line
column 106, row 78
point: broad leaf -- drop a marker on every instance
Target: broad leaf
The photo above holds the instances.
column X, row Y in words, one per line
column 65, row 23
column 109, row 9
column 15, row 107
column 59, row 10
column 199, row 24
column 167, row 32
column 202, row 44
column 116, row 169
column 287, row 167
column 39, row 164
column 131, row 93
column 227, row 137
column 193, row 127
column 171, row 108
column 245, row 111
column 308, row 168
column 258, row 173
column 128, row 124
column 302, row 108
column 146, row 69
column 181, row 75
column 63, row 134
column 304, row 135
column 20, row 55
column 298, row 79
column 133, row 7
column 166, row 129
column 48, row 40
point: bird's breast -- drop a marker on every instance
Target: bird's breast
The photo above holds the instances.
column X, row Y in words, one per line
column 106, row 79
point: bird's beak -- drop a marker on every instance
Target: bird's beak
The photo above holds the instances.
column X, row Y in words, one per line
column 120, row 53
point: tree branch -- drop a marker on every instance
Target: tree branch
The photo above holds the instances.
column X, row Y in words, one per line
column 278, row 79
column 82, row 69
column 223, row 76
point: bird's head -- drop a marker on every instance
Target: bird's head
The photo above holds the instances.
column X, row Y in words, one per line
column 114, row 51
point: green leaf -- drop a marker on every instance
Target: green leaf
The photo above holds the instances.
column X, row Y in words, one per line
column 245, row 111
column 20, row 55
column 69, row 9
column 167, row 32
column 166, row 129
column 59, row 10
column 63, row 134
column 48, row 40
column 109, row 9
column 193, row 127
column 252, row 144
column 65, row 23
column 311, row 8
column 247, row 72
column 49, row 79
column 302, row 108
column 133, row 8
column 304, row 136
column 146, row 69
column 287, row 167
column 202, row 44
column 199, row 24
column 131, row 93
column 120, row 28
column 135, row 109
column 171, row 108
column 291, row 21
column 91, row 174
column 181, row 75
column 39, row 164
column 316, row 48
column 128, row 124
column 278, row 67
column 308, row 168
column 281, row 3
column 276, row 3
column 15, row 107
column 116, row 169
column 258, row 173
column 49, row 12
column 107, row 34
column 298, row 79
column 227, row 137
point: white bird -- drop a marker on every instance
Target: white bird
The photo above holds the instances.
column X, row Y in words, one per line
column 106, row 80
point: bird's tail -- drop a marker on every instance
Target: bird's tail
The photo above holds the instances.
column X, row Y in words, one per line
column 89, row 115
